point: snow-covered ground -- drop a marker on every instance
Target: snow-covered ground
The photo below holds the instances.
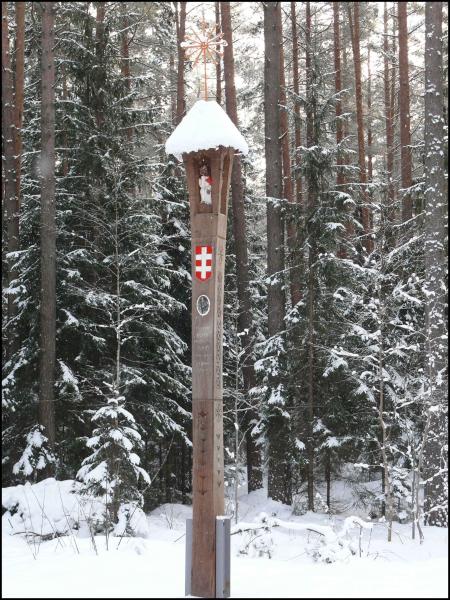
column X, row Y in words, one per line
column 153, row 566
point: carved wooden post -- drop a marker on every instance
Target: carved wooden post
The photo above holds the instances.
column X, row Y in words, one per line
column 207, row 139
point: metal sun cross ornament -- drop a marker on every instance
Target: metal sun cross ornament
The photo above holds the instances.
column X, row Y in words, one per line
column 207, row 44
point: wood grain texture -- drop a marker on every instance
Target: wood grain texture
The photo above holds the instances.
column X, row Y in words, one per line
column 208, row 224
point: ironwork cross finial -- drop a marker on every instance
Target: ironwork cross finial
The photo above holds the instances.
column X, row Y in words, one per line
column 206, row 44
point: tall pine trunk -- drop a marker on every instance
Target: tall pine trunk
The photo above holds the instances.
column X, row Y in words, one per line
column 296, row 89
column 435, row 467
column 369, row 121
column 48, row 228
column 394, row 87
column 100, row 71
column 218, row 59
column 245, row 318
column 340, row 178
column 404, row 106
column 312, row 255
column 278, row 488
column 354, row 23
column 173, row 98
column 389, row 118
column 297, row 268
column 338, row 90
column 288, row 190
column 19, row 87
column 125, row 58
column 181, row 29
column 10, row 189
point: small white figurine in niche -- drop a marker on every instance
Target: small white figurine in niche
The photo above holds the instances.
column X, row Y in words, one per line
column 205, row 182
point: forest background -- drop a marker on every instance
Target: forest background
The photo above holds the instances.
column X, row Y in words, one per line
column 335, row 354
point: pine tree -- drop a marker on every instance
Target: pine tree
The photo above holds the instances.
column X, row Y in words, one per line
column 277, row 424
column 312, row 198
column 389, row 116
column 436, row 458
column 404, row 108
column 113, row 470
column 296, row 91
column 103, row 183
column 9, row 195
column 288, row 190
column 354, row 23
column 48, row 230
column 19, row 80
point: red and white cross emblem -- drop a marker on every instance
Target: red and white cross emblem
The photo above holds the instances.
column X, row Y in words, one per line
column 203, row 262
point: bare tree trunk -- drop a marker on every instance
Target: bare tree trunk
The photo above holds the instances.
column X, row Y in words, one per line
column 405, row 127
column 386, row 475
column 10, row 196
column 394, row 91
column 312, row 201
column 435, row 454
column 277, row 483
column 115, row 463
column 236, row 439
column 173, row 99
column 311, row 387
column 5, row 57
column 297, row 255
column 161, row 474
column 369, row 132
column 48, row 228
column 338, row 90
column 19, row 86
column 125, row 51
column 389, row 115
column 296, row 88
column 355, row 37
column 340, row 179
column 65, row 164
column 288, row 191
column 183, row 473
column 413, row 498
column 369, row 121
column 100, row 33
column 98, row 101
column 245, row 318
column 386, row 480
column 328, row 476
column 345, row 107
column 218, row 63
column 125, row 59
column 118, row 311
column 181, row 29
column 167, row 474
column 99, row 51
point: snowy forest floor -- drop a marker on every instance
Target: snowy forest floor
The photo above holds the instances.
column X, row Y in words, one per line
column 153, row 566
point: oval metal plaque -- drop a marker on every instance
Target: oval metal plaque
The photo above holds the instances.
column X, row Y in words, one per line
column 203, row 305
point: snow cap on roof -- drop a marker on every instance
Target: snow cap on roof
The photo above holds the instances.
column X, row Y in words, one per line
column 205, row 126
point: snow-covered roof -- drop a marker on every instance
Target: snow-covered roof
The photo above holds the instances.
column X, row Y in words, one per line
column 205, row 126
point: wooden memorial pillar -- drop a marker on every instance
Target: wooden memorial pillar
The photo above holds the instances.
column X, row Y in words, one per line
column 206, row 139
column 209, row 230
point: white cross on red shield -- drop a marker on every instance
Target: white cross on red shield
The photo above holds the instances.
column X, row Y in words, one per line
column 203, row 262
